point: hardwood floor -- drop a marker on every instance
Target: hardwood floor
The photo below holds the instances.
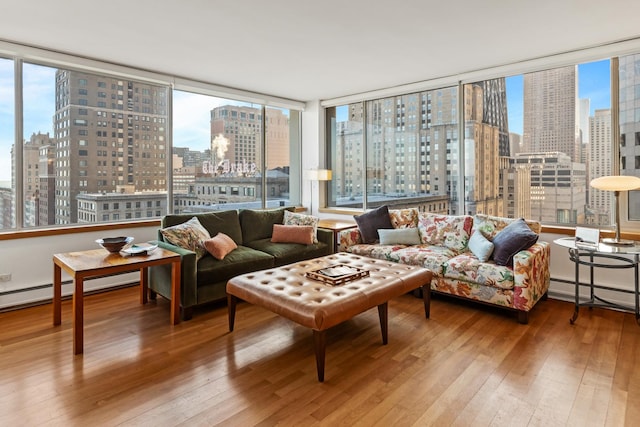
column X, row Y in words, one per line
column 467, row 365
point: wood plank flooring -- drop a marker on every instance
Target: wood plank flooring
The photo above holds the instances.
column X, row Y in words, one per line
column 466, row 366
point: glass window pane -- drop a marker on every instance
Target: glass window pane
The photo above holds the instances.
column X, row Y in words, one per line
column 81, row 154
column 629, row 75
column 281, row 128
column 7, row 139
column 346, row 151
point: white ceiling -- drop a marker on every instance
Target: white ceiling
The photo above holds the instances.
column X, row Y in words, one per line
column 308, row 50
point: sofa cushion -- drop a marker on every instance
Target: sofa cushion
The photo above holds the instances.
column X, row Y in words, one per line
column 370, row 222
column 286, row 253
column 399, row 236
column 467, row 267
column 292, row 218
column 427, row 256
column 227, row 222
column 450, row 231
column 490, row 225
column 404, row 218
column 220, row 245
column 188, row 235
column 512, row 239
column 302, row 234
column 258, row 224
column 239, row 261
column 376, row 250
column 480, row 246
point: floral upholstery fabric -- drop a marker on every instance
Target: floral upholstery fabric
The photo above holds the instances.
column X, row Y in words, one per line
column 427, row 256
column 188, row 235
column 489, row 225
column 468, row 267
column 532, row 275
column 471, row 290
column 445, row 230
column 375, row 250
column 348, row 238
column 404, row 218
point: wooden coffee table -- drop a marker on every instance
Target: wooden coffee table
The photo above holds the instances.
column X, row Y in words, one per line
column 287, row 291
column 93, row 264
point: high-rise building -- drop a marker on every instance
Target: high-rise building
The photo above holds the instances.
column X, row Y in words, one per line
column 551, row 122
column 109, row 132
column 629, row 73
column 236, row 138
column 600, row 202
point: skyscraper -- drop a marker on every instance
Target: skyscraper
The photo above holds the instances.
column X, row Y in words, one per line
column 629, row 73
column 551, row 122
column 600, row 148
column 109, row 132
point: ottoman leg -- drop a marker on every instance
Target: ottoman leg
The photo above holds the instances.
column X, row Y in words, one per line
column 320, row 347
column 231, row 307
column 384, row 321
column 426, row 296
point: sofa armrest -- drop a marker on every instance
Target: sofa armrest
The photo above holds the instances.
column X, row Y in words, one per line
column 160, row 276
column 348, row 238
column 532, row 275
column 325, row 236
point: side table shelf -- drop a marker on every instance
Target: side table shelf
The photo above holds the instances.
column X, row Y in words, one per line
column 594, row 258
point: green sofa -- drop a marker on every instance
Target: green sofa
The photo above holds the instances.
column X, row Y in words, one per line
column 205, row 281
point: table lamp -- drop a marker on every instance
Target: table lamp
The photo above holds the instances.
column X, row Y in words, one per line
column 316, row 175
column 616, row 183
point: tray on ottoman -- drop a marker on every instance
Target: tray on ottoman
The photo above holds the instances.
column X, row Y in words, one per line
column 337, row 274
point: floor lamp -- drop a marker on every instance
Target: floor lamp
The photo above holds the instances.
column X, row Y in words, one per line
column 316, row 175
column 616, row 183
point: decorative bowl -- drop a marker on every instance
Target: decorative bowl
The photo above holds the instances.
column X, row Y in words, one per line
column 114, row 244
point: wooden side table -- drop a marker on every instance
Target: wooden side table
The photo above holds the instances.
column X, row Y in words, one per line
column 336, row 225
column 96, row 263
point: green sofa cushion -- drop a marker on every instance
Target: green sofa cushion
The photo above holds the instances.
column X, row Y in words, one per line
column 239, row 261
column 286, row 253
column 258, row 224
column 227, row 222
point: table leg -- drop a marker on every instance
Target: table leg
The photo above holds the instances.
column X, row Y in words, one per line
column 78, row 316
column 144, row 284
column 57, row 295
column 231, row 309
column 320, row 347
column 175, row 292
column 576, row 258
column 384, row 321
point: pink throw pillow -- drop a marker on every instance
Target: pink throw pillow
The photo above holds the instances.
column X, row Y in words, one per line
column 302, row 234
column 220, row 245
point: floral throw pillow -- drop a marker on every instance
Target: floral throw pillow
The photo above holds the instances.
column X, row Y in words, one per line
column 188, row 235
column 404, row 218
column 292, row 218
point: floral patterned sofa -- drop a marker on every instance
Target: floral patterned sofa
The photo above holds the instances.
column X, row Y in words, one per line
column 443, row 246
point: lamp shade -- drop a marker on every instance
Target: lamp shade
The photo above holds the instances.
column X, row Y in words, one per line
column 318, row 174
column 616, row 183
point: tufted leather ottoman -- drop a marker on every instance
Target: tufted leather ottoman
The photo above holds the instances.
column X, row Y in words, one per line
column 288, row 292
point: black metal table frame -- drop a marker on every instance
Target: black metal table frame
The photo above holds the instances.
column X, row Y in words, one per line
column 589, row 258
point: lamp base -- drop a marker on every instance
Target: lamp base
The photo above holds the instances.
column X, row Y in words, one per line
column 618, row 242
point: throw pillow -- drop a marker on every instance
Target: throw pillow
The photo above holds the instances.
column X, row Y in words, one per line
column 404, row 218
column 480, row 246
column 399, row 236
column 512, row 239
column 220, row 246
column 188, row 235
column 370, row 222
column 302, row 234
column 257, row 224
column 292, row 218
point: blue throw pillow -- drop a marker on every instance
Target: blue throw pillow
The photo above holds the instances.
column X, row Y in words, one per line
column 512, row 239
column 370, row 222
column 480, row 246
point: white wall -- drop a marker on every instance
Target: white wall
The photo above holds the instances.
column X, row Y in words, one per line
column 30, row 262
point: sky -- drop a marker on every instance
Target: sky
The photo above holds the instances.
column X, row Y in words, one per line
column 191, row 116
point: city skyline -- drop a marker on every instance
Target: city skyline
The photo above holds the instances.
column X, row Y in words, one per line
column 190, row 116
